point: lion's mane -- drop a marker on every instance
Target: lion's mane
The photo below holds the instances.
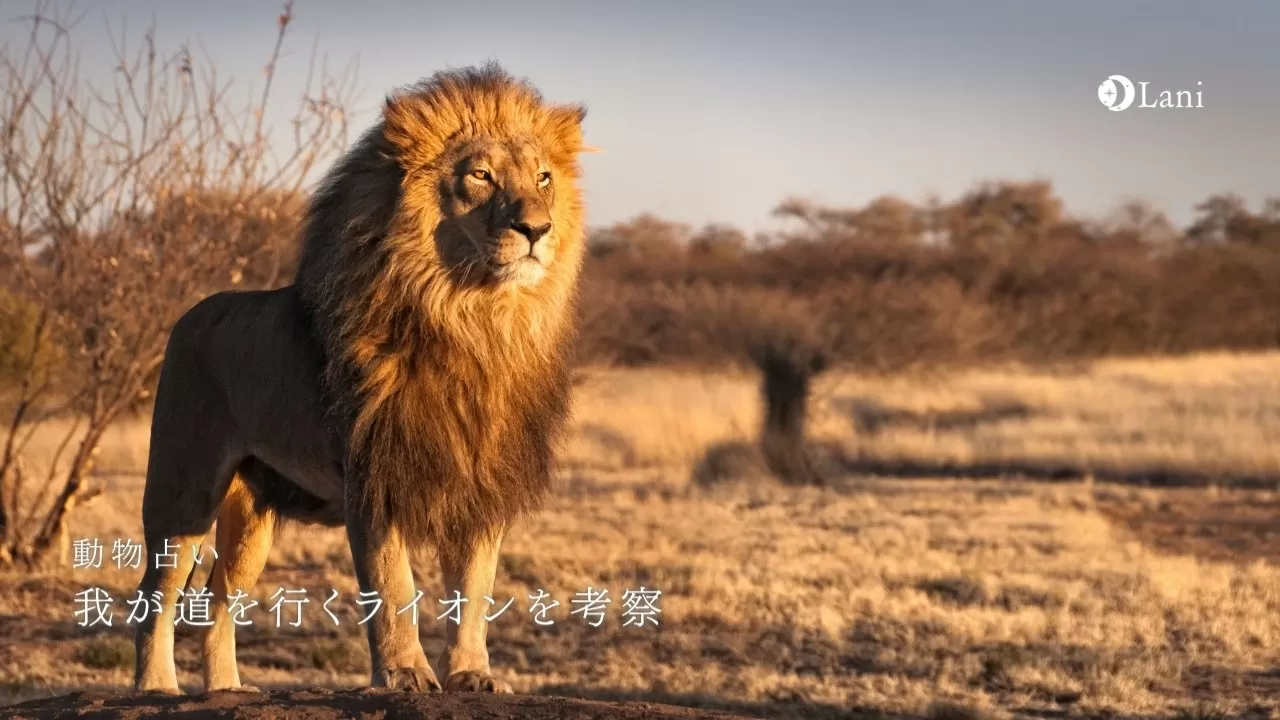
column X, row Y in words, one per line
column 446, row 396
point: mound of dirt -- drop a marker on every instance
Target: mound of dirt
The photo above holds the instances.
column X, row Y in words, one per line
column 322, row 704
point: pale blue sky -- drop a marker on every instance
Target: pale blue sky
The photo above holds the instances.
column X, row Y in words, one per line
column 715, row 111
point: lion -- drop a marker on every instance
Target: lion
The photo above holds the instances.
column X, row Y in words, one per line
column 409, row 385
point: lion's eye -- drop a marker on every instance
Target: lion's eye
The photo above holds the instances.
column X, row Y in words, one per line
column 544, row 178
column 480, row 175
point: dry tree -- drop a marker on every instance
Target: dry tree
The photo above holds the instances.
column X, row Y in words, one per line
column 787, row 368
column 125, row 200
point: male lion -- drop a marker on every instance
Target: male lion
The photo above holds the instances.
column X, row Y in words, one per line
column 409, row 385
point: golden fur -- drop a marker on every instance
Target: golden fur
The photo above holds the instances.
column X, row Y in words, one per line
column 453, row 388
column 410, row 384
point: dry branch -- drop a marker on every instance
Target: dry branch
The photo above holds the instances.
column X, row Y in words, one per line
column 124, row 203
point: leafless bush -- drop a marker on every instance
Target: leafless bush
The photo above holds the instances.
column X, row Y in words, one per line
column 123, row 205
column 1002, row 273
column 787, row 370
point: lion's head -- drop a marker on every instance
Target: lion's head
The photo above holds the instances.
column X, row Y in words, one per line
column 491, row 171
column 497, row 204
column 462, row 204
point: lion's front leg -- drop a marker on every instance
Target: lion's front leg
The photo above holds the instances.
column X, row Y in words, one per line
column 382, row 566
column 469, row 573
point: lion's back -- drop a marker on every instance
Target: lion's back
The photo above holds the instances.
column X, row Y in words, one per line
column 228, row 332
column 248, row 362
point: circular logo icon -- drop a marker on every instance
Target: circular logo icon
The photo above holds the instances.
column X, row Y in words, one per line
column 1116, row 93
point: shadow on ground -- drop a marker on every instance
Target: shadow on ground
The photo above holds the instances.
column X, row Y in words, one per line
column 1212, row 516
column 1239, row 527
column 870, row 418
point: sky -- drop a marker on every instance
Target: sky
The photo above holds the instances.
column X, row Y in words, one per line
column 716, row 111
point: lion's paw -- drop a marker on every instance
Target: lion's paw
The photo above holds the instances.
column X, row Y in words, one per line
column 476, row 681
column 168, row 691
column 413, row 679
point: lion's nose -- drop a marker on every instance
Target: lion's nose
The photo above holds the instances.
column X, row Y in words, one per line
column 533, row 232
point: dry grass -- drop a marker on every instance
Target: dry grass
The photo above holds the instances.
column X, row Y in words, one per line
column 925, row 596
column 1204, row 415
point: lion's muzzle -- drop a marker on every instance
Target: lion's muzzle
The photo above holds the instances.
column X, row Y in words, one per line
column 532, row 233
column 525, row 249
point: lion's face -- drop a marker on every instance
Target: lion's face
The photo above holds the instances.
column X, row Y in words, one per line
column 497, row 207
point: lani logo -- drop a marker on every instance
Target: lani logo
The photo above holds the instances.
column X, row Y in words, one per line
column 1118, row 93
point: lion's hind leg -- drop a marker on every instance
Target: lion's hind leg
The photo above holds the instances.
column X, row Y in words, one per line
column 193, row 457
column 173, row 535
column 244, row 535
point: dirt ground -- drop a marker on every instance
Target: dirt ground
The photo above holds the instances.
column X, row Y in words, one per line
column 876, row 598
column 914, row 596
column 325, row 704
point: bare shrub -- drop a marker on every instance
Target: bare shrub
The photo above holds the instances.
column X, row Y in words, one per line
column 123, row 205
column 787, row 371
column 1003, row 273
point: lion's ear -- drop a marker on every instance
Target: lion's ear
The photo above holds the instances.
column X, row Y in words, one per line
column 410, row 128
column 579, row 113
column 573, row 114
column 564, row 128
